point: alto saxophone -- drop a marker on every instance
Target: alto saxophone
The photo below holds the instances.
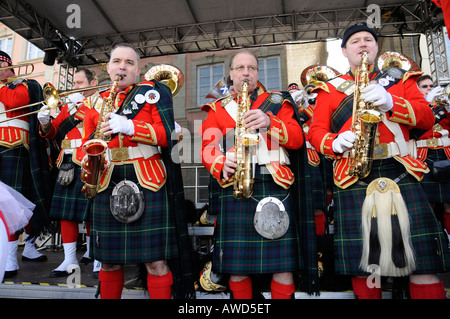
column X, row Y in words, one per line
column 245, row 141
column 365, row 119
column 92, row 169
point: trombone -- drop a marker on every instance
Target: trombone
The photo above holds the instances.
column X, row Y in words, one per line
column 51, row 99
column 29, row 68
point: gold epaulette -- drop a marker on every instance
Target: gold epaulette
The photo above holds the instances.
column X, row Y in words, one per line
column 322, row 86
column 409, row 74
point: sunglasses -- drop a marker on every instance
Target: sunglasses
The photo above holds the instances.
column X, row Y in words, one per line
column 427, row 86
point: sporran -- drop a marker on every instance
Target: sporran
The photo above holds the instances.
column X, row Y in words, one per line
column 127, row 202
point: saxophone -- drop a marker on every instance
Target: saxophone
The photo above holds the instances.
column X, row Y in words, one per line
column 365, row 119
column 245, row 141
column 92, row 169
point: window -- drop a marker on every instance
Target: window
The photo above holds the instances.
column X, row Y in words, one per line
column 207, row 77
column 34, row 52
column 6, row 45
column 195, row 182
column 270, row 73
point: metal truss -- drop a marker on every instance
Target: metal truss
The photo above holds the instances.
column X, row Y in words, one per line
column 259, row 31
column 438, row 55
column 219, row 35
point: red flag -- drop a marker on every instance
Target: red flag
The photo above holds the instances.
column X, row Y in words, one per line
column 445, row 6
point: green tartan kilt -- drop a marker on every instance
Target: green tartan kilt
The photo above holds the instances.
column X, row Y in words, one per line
column 427, row 238
column 15, row 169
column 150, row 238
column 239, row 249
column 68, row 202
column 318, row 188
column 436, row 192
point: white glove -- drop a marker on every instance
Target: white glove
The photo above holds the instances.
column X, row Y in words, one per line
column 120, row 124
column 377, row 94
column 76, row 97
column 433, row 93
column 299, row 98
column 343, row 142
column 44, row 115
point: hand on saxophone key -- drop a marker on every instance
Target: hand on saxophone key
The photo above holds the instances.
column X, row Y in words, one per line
column 230, row 165
column 343, row 142
column 377, row 94
column 115, row 123
column 255, row 119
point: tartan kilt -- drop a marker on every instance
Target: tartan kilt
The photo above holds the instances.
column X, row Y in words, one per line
column 428, row 240
column 318, row 188
column 68, row 202
column 239, row 249
column 436, row 192
column 15, row 169
column 150, row 238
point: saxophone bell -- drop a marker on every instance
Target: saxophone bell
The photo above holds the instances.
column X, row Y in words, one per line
column 93, row 167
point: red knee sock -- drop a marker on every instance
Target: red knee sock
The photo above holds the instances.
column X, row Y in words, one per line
column 241, row 289
column 281, row 291
column 362, row 291
column 160, row 287
column 320, row 222
column 88, row 229
column 427, row 291
column 69, row 231
column 111, row 284
column 446, row 217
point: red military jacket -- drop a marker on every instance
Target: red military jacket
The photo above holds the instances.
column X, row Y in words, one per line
column 140, row 149
column 313, row 156
column 14, row 132
column 410, row 110
column 435, row 138
column 284, row 131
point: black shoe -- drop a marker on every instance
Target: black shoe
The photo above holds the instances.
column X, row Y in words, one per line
column 10, row 273
column 58, row 273
column 85, row 260
column 38, row 259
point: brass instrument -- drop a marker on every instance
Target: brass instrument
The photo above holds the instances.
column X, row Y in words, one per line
column 168, row 75
column 245, row 141
column 442, row 99
column 29, row 68
column 315, row 75
column 92, row 169
column 396, row 60
column 51, row 99
column 364, row 124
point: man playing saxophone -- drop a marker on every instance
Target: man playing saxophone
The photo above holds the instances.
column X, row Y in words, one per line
column 137, row 214
column 383, row 220
column 256, row 233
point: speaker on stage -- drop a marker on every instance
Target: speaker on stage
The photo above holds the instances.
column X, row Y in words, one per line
column 50, row 56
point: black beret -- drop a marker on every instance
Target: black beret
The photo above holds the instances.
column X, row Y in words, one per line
column 358, row 27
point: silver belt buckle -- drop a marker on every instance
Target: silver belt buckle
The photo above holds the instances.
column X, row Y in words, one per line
column 271, row 220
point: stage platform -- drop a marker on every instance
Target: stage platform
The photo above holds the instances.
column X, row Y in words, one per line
column 32, row 281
